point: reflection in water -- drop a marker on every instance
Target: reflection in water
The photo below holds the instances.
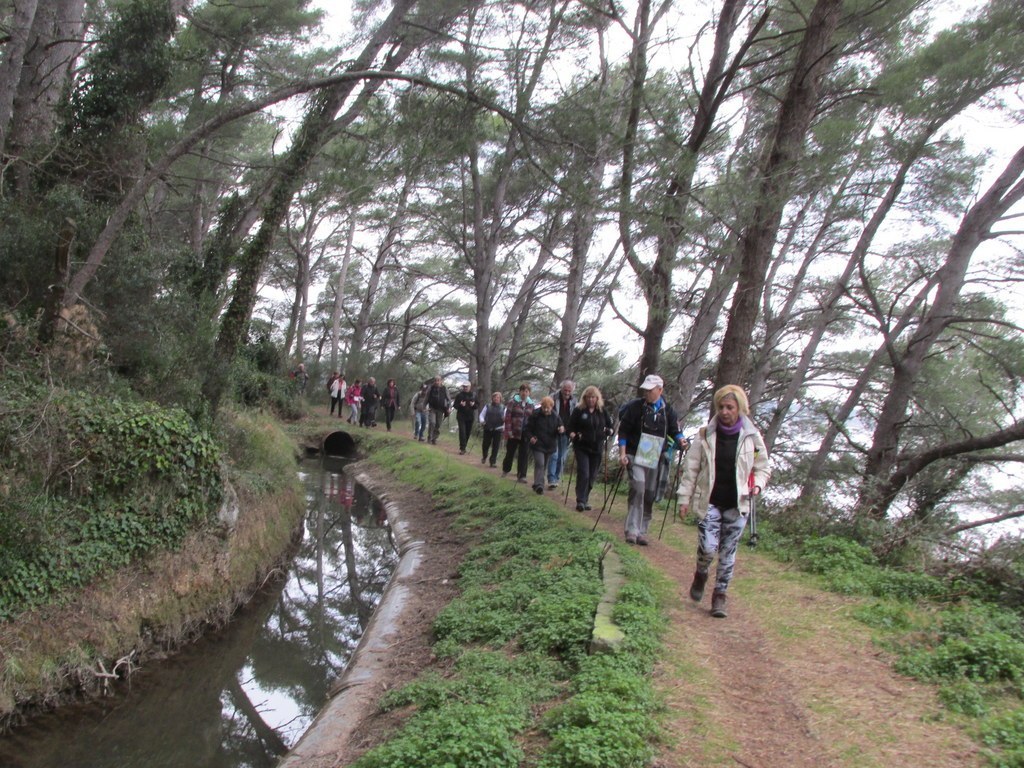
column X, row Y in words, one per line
column 243, row 696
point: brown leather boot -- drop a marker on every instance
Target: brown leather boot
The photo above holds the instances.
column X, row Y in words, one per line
column 697, row 588
column 718, row 604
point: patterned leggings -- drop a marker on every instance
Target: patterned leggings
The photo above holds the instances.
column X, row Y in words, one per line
column 719, row 532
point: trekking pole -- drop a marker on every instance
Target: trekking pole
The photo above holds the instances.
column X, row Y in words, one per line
column 604, row 471
column 673, row 497
column 752, row 541
column 607, row 505
column 572, row 469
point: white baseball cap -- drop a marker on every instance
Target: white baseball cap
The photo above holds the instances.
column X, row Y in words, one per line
column 652, row 381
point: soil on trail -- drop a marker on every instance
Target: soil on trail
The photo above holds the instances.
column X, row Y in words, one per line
column 788, row 679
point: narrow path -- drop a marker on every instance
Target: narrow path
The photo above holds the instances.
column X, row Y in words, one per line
column 787, row 680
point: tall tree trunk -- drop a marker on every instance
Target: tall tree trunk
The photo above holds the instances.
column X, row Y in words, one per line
column 318, row 126
column 975, row 227
column 830, row 307
column 339, row 294
column 797, row 110
column 52, row 48
column 717, row 80
column 19, row 34
column 385, row 253
column 815, row 474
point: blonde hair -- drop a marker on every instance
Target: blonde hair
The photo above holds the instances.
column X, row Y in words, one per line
column 737, row 394
column 548, row 401
column 592, row 390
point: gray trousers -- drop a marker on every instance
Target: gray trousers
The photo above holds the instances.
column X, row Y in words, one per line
column 643, row 490
column 719, row 532
column 436, row 418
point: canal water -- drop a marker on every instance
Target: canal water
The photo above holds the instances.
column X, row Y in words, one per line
column 245, row 694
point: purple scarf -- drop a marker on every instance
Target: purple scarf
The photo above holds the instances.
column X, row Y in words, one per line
column 733, row 430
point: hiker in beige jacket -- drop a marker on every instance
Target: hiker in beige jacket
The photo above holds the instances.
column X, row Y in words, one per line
column 726, row 465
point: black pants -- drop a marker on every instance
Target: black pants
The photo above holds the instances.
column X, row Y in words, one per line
column 587, row 466
column 368, row 416
column 465, row 429
column 515, row 448
column 492, row 441
column 337, row 401
column 389, row 415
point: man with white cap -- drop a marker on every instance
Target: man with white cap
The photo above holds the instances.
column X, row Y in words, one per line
column 465, row 412
column 647, row 427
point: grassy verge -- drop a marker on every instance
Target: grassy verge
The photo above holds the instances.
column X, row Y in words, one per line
column 939, row 632
column 514, row 684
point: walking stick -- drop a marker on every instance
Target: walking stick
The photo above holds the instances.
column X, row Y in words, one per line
column 572, row 469
column 604, row 470
column 752, row 541
column 673, row 497
column 607, row 505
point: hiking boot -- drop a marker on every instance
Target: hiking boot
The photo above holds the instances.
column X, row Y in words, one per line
column 697, row 588
column 538, row 488
column 630, row 538
column 718, row 604
column 641, row 540
column 580, row 506
column 552, row 486
column 483, row 460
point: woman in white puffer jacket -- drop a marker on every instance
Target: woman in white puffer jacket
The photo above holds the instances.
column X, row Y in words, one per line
column 716, row 485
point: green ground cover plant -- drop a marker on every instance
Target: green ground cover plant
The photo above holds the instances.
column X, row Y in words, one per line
column 941, row 630
column 516, row 685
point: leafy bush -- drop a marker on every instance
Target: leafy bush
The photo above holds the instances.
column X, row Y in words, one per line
column 989, row 657
column 887, row 616
column 1006, row 733
column 93, row 483
column 964, row 697
column 830, row 554
column 459, row 735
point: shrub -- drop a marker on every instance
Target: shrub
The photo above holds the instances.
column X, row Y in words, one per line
column 830, row 554
column 1006, row 733
column 94, row 482
column 964, row 697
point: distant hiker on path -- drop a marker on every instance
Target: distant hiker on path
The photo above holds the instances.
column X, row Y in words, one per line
column 590, row 426
column 419, row 413
column 392, row 402
column 565, row 403
column 492, row 421
column 440, row 404
column 518, row 410
column 465, row 411
column 301, row 378
column 726, row 466
column 541, row 432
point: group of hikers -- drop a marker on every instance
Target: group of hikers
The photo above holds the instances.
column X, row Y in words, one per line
column 719, row 475
column 363, row 400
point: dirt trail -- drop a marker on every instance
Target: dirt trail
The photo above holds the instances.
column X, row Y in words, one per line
column 786, row 680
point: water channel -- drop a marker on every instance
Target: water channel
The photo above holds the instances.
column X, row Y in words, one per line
column 244, row 695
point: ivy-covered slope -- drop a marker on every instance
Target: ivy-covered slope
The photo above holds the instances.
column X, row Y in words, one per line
column 92, row 483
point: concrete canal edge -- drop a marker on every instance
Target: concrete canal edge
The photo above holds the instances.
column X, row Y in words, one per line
column 607, row 636
column 356, row 697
